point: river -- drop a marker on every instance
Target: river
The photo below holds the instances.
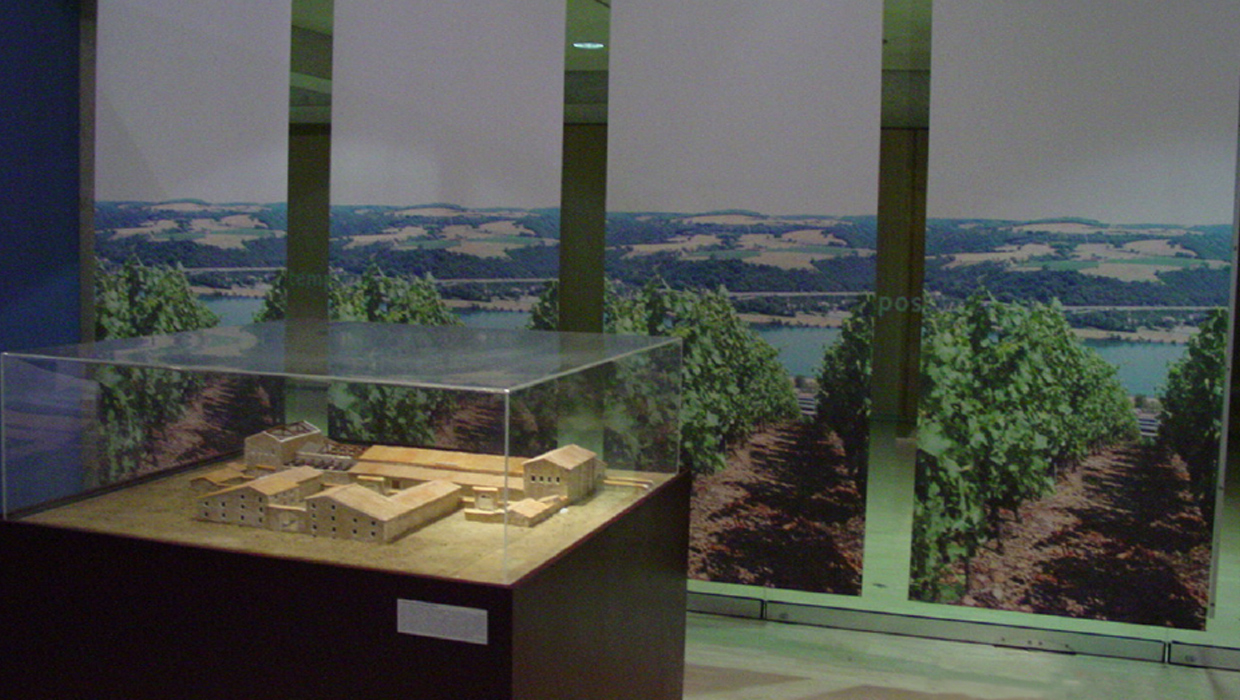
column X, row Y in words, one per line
column 1142, row 367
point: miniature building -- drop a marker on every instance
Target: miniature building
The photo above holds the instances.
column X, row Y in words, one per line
column 397, row 477
column 379, row 493
column 223, row 477
column 247, row 504
column 486, row 498
column 450, row 460
column 327, row 454
column 526, row 512
column 278, row 446
column 357, row 512
column 529, row 512
column 570, row 471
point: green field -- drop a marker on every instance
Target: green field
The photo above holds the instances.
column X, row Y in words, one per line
column 1065, row 265
column 1167, row 262
column 200, row 234
column 1078, row 265
column 724, row 255
column 426, row 245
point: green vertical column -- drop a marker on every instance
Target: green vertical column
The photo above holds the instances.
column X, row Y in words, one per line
column 583, row 229
column 309, row 227
column 309, row 223
column 897, row 337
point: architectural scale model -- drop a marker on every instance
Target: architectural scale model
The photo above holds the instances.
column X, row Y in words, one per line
column 294, row 479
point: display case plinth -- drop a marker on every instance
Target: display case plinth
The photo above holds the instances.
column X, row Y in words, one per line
column 90, row 614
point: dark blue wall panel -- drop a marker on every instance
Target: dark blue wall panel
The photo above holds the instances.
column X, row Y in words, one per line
column 39, row 175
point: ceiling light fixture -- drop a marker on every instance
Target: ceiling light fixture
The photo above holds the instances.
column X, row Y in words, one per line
column 588, row 45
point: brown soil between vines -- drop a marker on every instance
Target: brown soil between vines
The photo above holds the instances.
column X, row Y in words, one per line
column 216, row 419
column 783, row 513
column 1120, row 539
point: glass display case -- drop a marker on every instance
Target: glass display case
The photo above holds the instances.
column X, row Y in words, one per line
column 456, row 452
column 409, row 511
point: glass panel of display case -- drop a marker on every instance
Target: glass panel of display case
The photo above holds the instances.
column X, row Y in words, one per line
column 471, row 454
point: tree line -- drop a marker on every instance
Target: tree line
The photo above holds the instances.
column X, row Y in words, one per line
column 1185, row 287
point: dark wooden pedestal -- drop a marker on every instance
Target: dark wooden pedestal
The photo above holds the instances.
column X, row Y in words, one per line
column 89, row 615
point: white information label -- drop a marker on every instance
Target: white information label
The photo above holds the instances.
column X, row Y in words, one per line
column 441, row 621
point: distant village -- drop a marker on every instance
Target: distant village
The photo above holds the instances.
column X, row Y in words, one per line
column 294, row 479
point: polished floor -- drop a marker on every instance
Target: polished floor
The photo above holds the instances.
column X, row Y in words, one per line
column 741, row 659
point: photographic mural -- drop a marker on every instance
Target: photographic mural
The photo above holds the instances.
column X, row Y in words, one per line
column 446, row 161
column 191, row 163
column 1078, row 279
column 191, row 160
column 742, row 192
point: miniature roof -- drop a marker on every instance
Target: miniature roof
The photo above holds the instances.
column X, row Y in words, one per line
column 422, row 493
column 279, row 482
column 403, row 471
column 330, row 447
column 567, row 457
column 439, row 459
column 284, row 432
column 531, row 508
column 221, row 475
column 384, row 508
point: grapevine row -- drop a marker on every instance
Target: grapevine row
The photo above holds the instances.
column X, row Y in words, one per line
column 1009, row 396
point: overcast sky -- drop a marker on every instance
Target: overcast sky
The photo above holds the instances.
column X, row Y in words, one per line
column 1125, row 112
column 745, row 104
column 192, row 100
column 459, row 103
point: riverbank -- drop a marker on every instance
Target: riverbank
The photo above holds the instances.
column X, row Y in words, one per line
column 1176, row 337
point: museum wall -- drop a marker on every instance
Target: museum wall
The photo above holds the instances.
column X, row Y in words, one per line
column 39, row 265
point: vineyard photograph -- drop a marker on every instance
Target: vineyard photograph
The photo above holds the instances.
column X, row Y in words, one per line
column 787, row 509
column 1035, row 489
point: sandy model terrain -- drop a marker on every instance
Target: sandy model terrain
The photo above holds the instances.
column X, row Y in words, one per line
column 451, row 547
